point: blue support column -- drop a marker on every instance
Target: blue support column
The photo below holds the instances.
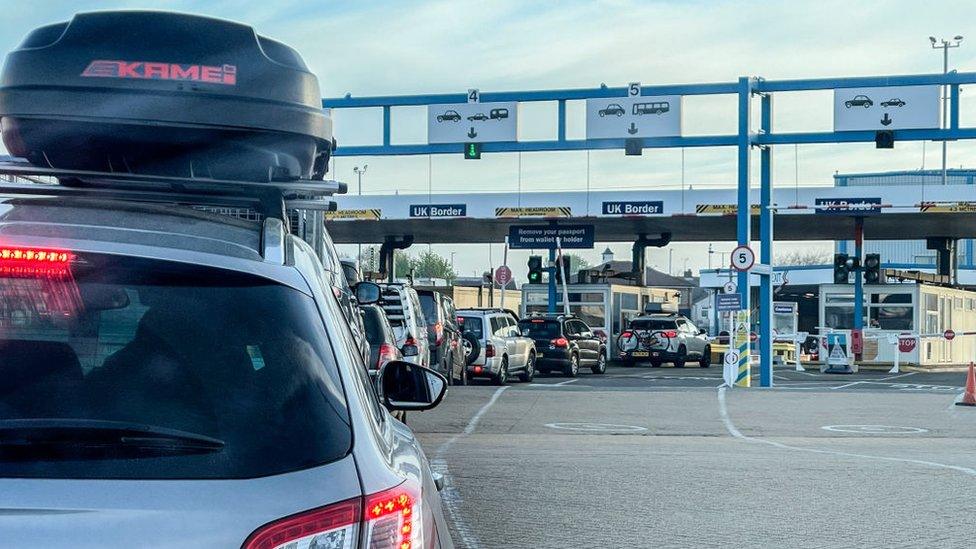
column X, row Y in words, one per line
column 561, row 124
column 552, row 281
column 744, row 212
column 766, row 248
column 858, row 278
column 386, row 125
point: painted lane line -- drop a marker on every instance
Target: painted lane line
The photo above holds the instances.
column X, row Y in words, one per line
column 848, row 385
column 952, row 405
column 897, row 376
column 730, row 427
column 450, row 495
column 567, row 382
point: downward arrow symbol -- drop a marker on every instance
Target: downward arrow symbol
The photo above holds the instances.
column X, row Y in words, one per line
column 886, row 120
column 472, row 134
column 632, row 129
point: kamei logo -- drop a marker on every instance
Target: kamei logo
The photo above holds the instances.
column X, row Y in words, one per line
column 147, row 70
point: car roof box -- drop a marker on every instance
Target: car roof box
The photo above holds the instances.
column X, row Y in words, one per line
column 167, row 94
column 657, row 308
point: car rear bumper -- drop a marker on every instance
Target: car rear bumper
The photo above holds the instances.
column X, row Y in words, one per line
column 552, row 358
column 663, row 355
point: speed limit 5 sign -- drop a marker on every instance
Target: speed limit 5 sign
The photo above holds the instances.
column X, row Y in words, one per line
column 743, row 258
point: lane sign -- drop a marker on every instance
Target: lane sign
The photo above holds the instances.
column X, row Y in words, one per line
column 906, row 344
column 474, row 95
column 949, row 334
column 886, row 108
column 743, row 258
column 728, row 302
column 634, row 89
column 521, row 237
column 729, row 287
column 466, row 122
column 846, row 206
column 633, row 117
column 503, row 275
column 633, row 207
column 438, row 210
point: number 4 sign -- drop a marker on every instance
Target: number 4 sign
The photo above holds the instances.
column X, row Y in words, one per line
column 743, row 258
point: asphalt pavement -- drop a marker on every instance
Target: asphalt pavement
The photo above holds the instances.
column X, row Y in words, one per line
column 663, row 457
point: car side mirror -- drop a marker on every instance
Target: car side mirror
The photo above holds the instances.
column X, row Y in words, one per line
column 367, row 292
column 702, row 332
column 405, row 386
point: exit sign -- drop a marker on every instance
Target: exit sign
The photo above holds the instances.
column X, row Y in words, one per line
column 472, row 151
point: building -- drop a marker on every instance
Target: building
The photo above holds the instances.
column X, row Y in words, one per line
column 621, row 273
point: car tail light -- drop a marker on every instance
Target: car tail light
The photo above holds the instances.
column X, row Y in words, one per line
column 388, row 353
column 477, row 369
column 336, row 525
column 438, row 333
column 391, row 519
column 670, row 333
column 410, row 347
column 627, row 335
column 35, row 256
column 559, row 342
column 489, row 350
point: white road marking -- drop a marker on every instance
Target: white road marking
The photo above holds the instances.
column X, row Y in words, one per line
column 952, row 405
column 450, row 495
column 848, row 385
column 596, row 427
column 875, row 429
column 567, row 382
column 730, row 427
column 897, row 376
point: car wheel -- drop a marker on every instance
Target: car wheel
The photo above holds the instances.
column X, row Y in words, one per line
column 472, row 348
column 529, row 372
column 706, row 359
column 601, row 364
column 602, row 114
column 502, row 377
column 681, row 357
column 627, row 363
column 572, row 369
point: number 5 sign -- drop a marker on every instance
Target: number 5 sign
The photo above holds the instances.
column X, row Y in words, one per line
column 743, row 258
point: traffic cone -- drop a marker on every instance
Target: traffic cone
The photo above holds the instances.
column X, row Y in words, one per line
column 969, row 397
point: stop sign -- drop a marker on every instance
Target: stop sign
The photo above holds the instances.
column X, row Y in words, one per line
column 906, row 344
column 949, row 335
column 503, row 275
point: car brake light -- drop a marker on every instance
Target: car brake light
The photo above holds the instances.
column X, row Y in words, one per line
column 627, row 335
column 438, row 333
column 489, row 350
column 559, row 342
column 537, row 321
column 393, row 518
column 336, row 525
column 35, row 256
column 387, row 354
column 670, row 333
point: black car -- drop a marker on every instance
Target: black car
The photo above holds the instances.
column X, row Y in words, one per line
column 893, row 102
column 565, row 343
column 479, row 116
column 444, row 336
column 382, row 340
column 613, row 109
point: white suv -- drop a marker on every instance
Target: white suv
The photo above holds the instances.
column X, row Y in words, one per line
column 402, row 307
column 494, row 345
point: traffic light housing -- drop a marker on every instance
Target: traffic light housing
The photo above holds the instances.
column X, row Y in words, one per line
column 562, row 269
column 842, row 266
column 872, row 268
column 535, row 269
column 472, row 151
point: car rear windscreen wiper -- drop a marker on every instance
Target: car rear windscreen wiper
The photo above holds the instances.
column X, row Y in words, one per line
column 58, row 438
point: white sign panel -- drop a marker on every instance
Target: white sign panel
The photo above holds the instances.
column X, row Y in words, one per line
column 886, row 108
column 642, row 116
column 472, row 122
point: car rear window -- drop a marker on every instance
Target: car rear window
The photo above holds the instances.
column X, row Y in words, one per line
column 653, row 324
column 373, row 320
column 540, row 329
column 472, row 324
column 125, row 368
column 429, row 305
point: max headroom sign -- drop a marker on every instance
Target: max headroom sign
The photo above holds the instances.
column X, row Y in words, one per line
column 149, row 70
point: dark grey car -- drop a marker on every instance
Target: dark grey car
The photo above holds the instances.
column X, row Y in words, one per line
column 173, row 378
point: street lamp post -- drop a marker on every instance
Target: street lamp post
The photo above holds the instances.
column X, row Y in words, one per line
column 359, row 177
column 944, row 45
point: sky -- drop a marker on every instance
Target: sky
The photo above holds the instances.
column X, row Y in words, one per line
column 400, row 47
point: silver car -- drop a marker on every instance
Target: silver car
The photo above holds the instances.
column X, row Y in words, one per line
column 664, row 337
column 494, row 345
column 402, row 306
column 171, row 378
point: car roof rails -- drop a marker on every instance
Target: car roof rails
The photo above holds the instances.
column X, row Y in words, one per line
column 270, row 198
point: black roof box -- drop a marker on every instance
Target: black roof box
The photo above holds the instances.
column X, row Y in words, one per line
column 160, row 93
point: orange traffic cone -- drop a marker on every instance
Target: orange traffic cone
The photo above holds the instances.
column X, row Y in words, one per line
column 969, row 397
